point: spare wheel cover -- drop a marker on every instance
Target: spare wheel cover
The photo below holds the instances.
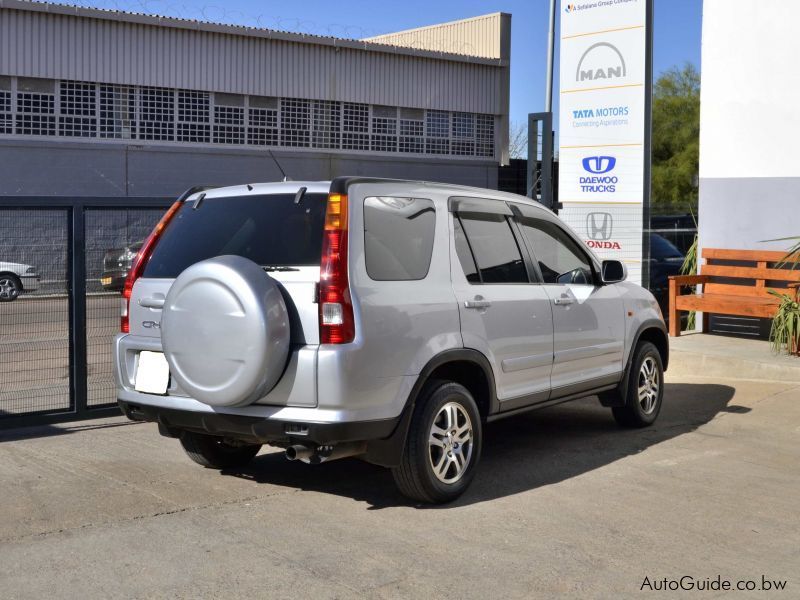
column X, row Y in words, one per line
column 225, row 331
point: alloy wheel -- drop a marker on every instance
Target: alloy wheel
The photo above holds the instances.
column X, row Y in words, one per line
column 450, row 443
column 649, row 382
column 8, row 289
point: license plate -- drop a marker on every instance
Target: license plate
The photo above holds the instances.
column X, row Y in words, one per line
column 105, row 280
column 152, row 373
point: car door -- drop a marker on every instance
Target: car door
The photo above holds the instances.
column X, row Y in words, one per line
column 502, row 314
column 588, row 317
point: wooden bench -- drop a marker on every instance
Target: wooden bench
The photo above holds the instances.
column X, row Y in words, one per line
column 735, row 282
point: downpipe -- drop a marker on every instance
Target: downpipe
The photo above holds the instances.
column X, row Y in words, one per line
column 316, row 455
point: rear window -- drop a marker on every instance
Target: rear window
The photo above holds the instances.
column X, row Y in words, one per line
column 398, row 237
column 270, row 230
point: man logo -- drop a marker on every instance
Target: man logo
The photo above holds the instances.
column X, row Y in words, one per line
column 599, row 164
column 601, row 61
column 570, row 8
column 599, row 225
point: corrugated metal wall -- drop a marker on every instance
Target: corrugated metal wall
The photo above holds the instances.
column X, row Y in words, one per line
column 479, row 36
column 58, row 46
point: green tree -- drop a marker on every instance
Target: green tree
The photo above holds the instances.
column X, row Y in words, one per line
column 676, row 140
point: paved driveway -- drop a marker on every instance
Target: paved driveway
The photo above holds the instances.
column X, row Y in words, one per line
column 565, row 504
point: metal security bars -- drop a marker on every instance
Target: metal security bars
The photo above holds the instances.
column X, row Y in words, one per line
column 100, row 111
column 62, row 264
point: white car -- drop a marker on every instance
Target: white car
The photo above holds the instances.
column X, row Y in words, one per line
column 16, row 278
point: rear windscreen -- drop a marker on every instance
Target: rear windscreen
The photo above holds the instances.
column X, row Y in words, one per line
column 270, row 230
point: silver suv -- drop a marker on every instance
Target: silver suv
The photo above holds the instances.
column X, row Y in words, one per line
column 384, row 319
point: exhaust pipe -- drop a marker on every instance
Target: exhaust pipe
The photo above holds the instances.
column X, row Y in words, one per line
column 299, row 452
column 328, row 453
column 322, row 454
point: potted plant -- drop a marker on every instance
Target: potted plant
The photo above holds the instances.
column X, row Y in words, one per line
column 784, row 335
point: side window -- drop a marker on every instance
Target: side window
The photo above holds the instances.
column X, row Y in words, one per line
column 560, row 258
column 494, row 249
column 398, row 237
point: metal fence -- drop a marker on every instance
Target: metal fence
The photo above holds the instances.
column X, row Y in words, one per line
column 61, row 260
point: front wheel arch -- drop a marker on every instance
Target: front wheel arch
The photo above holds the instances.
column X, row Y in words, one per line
column 653, row 331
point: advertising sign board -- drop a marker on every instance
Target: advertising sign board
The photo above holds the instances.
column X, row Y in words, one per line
column 604, row 125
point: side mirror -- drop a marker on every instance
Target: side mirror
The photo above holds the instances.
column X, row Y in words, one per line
column 614, row 271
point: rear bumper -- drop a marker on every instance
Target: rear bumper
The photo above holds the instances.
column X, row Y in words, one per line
column 259, row 429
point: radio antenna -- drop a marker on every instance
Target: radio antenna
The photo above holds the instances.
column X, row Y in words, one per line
column 275, row 160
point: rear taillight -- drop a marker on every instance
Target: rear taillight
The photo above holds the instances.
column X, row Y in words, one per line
column 336, row 323
column 139, row 262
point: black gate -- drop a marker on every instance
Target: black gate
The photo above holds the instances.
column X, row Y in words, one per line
column 62, row 261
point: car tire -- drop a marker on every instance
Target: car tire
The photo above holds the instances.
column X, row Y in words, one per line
column 10, row 288
column 440, row 472
column 215, row 452
column 645, row 389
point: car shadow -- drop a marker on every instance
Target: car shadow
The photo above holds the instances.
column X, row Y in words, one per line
column 520, row 453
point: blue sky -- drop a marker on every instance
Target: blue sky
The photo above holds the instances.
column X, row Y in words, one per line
column 676, row 33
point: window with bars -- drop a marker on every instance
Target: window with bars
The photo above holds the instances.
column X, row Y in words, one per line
column 355, row 126
column 107, row 111
column 484, row 137
column 117, row 112
column 412, row 130
column 437, row 132
column 262, row 123
column 326, row 124
column 194, row 110
column 77, row 109
column 229, row 127
column 6, row 116
column 156, row 114
column 36, row 107
column 384, row 128
column 295, row 122
column 463, row 136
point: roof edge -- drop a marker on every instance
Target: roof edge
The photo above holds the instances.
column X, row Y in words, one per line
column 237, row 30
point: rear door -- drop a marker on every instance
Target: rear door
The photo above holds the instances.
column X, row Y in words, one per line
column 503, row 314
column 588, row 317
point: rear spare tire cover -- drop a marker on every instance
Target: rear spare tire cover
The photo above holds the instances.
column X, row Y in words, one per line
column 225, row 331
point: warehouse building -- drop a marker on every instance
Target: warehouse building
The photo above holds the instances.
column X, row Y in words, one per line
column 112, row 104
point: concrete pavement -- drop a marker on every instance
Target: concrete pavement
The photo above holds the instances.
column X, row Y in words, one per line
column 565, row 504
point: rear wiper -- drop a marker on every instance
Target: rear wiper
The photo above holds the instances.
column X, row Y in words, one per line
column 278, row 268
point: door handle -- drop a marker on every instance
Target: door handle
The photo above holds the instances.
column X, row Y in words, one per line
column 153, row 302
column 478, row 302
column 563, row 300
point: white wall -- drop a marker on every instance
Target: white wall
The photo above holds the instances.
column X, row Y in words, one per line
column 749, row 123
column 750, row 111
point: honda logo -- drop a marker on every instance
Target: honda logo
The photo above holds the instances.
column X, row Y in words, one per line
column 599, row 225
column 599, row 164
